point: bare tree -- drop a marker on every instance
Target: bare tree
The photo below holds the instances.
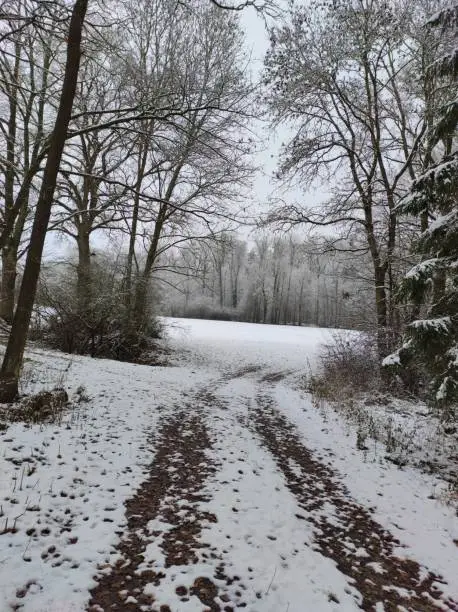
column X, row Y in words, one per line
column 92, row 188
column 195, row 167
column 27, row 87
column 341, row 75
column 12, row 361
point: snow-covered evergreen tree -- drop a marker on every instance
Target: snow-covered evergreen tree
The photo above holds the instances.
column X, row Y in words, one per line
column 432, row 285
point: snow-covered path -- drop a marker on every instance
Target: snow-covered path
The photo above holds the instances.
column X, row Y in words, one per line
column 241, row 494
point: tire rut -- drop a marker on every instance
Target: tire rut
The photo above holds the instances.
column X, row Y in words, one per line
column 345, row 531
column 171, row 495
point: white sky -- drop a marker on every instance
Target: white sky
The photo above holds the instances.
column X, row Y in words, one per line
column 257, row 42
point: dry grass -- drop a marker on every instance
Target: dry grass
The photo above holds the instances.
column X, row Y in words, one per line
column 388, row 422
column 42, row 407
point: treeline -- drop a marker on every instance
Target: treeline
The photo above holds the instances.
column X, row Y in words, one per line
column 267, row 279
column 123, row 119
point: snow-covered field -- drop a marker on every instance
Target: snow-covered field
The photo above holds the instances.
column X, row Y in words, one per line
column 231, row 344
column 63, row 486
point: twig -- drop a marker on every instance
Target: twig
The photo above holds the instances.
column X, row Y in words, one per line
column 271, row 582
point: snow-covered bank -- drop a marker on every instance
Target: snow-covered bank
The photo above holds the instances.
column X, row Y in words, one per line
column 406, row 501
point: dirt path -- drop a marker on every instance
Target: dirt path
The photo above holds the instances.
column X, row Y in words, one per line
column 167, row 512
column 166, row 517
column 345, row 531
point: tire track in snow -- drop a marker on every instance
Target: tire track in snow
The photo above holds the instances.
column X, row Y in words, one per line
column 345, row 531
column 161, row 553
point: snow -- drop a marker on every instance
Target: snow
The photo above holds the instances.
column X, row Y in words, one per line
column 439, row 324
column 72, row 478
column 405, row 500
column 275, row 544
column 275, row 346
column 423, row 268
column 392, row 360
column 262, row 539
column 442, row 221
column 80, row 474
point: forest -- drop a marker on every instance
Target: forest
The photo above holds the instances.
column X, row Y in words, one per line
column 228, row 305
column 130, row 136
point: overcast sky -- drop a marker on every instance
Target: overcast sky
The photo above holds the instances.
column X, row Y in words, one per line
column 257, row 42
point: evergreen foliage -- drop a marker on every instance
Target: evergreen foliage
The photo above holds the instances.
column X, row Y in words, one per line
column 431, row 339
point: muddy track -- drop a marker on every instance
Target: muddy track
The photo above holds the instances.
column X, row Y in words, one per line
column 172, row 495
column 345, row 531
column 168, row 514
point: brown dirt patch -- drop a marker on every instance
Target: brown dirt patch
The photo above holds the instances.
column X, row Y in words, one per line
column 241, row 372
column 274, row 377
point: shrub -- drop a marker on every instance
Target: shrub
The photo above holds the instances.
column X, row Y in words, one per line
column 96, row 327
column 349, row 364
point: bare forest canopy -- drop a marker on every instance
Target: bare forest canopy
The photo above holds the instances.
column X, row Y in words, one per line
column 137, row 125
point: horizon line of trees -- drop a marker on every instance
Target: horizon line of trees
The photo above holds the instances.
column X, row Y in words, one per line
column 139, row 127
column 271, row 278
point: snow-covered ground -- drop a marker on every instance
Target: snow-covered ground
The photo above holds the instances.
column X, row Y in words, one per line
column 231, row 344
column 62, row 486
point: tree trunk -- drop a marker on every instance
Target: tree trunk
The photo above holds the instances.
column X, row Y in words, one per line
column 138, row 317
column 235, row 300
column 381, row 310
column 141, row 165
column 300, row 315
column 10, row 257
column 12, row 362
column 221, row 284
column 9, row 263
column 84, row 289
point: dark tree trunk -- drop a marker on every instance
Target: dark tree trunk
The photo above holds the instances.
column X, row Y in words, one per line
column 221, row 285
column 9, row 264
column 84, row 279
column 141, row 165
column 381, row 311
column 235, row 300
column 10, row 257
column 12, row 361
column 138, row 316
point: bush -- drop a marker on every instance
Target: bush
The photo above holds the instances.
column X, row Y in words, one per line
column 207, row 310
column 349, row 364
column 96, row 329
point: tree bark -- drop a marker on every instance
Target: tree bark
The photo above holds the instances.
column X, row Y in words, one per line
column 84, row 293
column 381, row 310
column 12, row 361
column 9, row 262
column 139, row 315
